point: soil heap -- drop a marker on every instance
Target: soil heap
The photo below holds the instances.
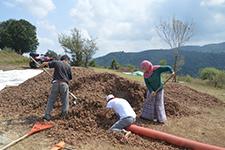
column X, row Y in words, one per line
column 88, row 119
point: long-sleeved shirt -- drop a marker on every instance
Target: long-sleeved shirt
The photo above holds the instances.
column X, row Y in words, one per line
column 154, row 82
column 62, row 71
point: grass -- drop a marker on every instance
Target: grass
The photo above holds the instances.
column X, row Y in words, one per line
column 207, row 127
column 204, row 87
column 12, row 60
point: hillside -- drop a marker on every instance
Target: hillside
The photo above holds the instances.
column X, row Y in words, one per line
column 195, row 57
column 11, row 60
column 210, row 48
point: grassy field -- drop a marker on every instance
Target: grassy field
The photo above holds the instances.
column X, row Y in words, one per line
column 202, row 86
column 207, row 127
column 11, row 60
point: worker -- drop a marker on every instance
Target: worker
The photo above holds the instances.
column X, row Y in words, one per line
column 124, row 111
column 60, row 85
column 153, row 108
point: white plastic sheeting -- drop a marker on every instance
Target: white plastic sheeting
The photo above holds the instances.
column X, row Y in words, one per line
column 136, row 73
column 16, row 77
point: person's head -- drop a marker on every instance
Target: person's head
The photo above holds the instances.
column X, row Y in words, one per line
column 109, row 97
column 146, row 65
column 65, row 58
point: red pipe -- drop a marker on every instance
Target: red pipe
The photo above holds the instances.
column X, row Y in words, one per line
column 172, row 139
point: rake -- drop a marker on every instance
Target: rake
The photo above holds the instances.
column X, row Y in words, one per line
column 38, row 126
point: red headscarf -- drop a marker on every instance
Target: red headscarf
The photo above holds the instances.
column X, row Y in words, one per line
column 150, row 68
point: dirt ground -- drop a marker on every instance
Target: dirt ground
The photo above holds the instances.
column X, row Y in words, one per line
column 87, row 122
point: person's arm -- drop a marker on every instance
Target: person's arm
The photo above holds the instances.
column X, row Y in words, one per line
column 166, row 68
column 44, row 64
column 106, row 110
column 70, row 74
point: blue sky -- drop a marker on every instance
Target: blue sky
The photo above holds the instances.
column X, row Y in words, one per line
column 118, row 25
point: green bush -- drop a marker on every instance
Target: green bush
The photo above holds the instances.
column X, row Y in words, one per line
column 114, row 65
column 208, row 73
column 188, row 78
column 163, row 62
column 215, row 76
column 92, row 63
column 219, row 79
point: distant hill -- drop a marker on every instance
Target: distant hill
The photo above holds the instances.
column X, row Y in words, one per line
column 195, row 57
column 210, row 48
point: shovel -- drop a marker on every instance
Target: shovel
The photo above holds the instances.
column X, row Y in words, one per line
column 38, row 126
column 163, row 84
column 74, row 97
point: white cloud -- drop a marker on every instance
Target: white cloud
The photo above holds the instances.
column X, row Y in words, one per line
column 85, row 34
column 47, row 27
column 219, row 18
column 117, row 24
column 212, row 2
column 45, row 41
column 38, row 8
column 47, row 36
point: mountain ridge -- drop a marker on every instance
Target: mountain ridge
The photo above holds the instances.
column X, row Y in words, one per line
column 195, row 57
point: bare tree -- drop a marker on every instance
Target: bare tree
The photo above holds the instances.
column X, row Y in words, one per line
column 175, row 33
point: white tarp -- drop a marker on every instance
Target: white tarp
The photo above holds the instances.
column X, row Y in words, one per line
column 16, row 77
column 136, row 73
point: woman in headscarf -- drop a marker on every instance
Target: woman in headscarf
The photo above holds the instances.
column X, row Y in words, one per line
column 153, row 108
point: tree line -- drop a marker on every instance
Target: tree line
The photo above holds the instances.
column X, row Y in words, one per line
column 21, row 37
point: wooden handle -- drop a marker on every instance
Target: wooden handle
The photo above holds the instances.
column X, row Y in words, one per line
column 165, row 82
column 51, row 76
column 14, row 142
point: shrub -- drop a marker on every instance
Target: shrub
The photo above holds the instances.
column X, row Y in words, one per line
column 214, row 76
column 92, row 63
column 208, row 73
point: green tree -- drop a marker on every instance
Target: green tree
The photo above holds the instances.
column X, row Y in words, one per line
column 214, row 76
column 114, row 65
column 51, row 53
column 80, row 48
column 89, row 50
column 19, row 35
column 163, row 62
column 130, row 67
column 73, row 44
column 208, row 73
column 92, row 63
column 219, row 80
